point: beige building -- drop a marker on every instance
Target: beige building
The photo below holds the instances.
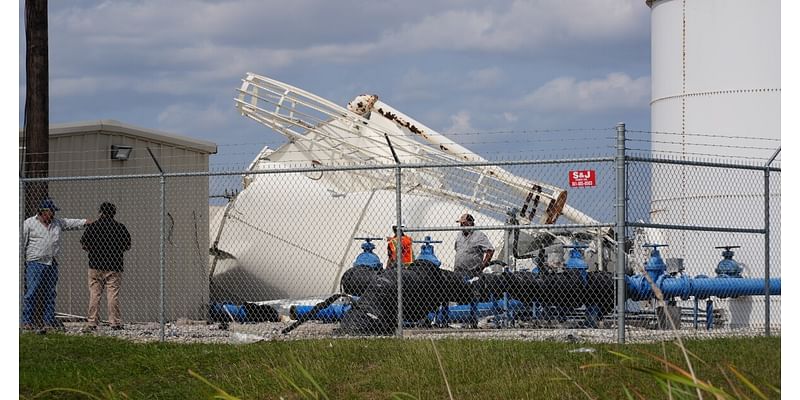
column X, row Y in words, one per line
column 107, row 148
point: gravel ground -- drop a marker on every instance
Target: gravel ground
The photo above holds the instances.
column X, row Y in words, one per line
column 200, row 332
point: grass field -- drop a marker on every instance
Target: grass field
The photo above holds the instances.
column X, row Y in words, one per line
column 389, row 368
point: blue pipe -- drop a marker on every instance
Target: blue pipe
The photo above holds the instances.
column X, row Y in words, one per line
column 462, row 313
column 230, row 310
column 456, row 313
column 700, row 286
column 332, row 313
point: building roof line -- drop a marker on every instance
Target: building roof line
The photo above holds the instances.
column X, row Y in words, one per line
column 114, row 126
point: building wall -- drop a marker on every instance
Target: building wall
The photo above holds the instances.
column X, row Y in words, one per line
column 138, row 207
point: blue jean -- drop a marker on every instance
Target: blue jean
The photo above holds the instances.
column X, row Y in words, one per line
column 40, row 280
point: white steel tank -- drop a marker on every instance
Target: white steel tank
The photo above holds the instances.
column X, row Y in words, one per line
column 716, row 97
column 291, row 235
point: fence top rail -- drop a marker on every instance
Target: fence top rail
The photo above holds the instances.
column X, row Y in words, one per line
column 324, row 169
column 657, row 160
column 697, row 228
column 774, row 155
column 503, row 227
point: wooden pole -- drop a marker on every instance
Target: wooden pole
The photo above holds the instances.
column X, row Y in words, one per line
column 37, row 120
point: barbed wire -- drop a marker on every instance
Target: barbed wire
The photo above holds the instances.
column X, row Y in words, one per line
column 652, row 152
column 703, row 144
column 510, row 148
column 174, row 160
column 476, row 133
column 526, row 131
column 703, row 135
column 95, row 155
column 519, row 155
column 188, row 161
column 463, row 134
column 130, row 163
column 507, row 141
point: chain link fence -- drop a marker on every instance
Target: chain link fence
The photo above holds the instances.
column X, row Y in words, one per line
column 280, row 251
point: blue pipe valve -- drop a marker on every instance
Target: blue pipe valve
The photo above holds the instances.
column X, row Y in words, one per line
column 576, row 261
column 426, row 252
column 367, row 258
column 655, row 266
column 728, row 267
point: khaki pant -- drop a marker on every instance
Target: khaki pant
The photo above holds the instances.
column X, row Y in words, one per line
column 112, row 281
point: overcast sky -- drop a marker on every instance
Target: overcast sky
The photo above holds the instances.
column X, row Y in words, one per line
column 456, row 66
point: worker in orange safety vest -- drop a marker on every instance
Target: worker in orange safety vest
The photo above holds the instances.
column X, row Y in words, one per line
column 408, row 251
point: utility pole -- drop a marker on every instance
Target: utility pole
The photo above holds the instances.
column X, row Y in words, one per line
column 37, row 110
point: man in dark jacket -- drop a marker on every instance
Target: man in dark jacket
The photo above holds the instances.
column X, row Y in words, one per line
column 105, row 242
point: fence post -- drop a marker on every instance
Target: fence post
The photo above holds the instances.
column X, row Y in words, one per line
column 162, row 293
column 398, row 249
column 766, row 243
column 21, row 272
column 507, row 247
column 619, row 164
column 161, row 250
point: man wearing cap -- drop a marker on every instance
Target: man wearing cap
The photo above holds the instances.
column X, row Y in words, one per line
column 105, row 242
column 391, row 249
column 41, row 237
column 473, row 249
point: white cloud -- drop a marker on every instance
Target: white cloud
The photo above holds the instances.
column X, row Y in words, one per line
column 461, row 123
column 531, row 25
column 510, row 117
column 451, row 63
column 615, row 91
column 277, row 34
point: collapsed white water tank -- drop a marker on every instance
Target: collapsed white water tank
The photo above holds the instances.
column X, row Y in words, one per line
column 716, row 95
column 291, row 237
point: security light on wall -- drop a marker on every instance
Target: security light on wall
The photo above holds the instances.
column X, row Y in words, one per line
column 119, row 152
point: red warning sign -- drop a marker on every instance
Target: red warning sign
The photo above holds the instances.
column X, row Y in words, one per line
column 583, row 178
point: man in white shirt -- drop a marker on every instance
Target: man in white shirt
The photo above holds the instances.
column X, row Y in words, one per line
column 473, row 249
column 41, row 235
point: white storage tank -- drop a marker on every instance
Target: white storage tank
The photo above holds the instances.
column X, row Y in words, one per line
column 716, row 95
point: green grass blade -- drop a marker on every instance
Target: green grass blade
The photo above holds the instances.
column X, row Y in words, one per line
column 774, row 389
column 622, row 355
column 403, row 396
column 221, row 394
column 311, row 379
column 110, row 394
column 441, row 369
column 628, row 394
column 696, row 357
column 68, row 390
column 731, row 385
column 586, row 393
column 669, row 364
column 597, row 365
column 286, row 379
column 747, row 382
column 687, row 381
